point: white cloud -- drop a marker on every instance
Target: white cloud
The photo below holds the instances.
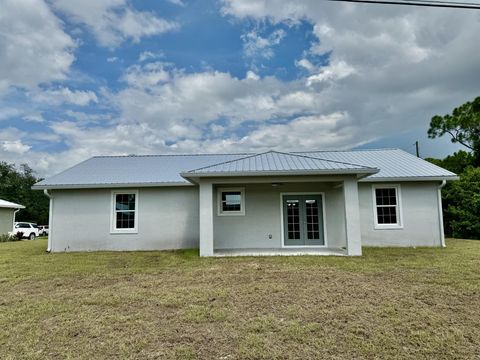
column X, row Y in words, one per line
column 35, row 49
column 15, row 146
column 391, row 68
column 65, row 95
column 114, row 21
column 177, row 2
column 148, row 55
column 34, row 118
column 148, row 75
column 11, row 142
column 306, row 64
column 256, row 45
column 293, row 135
column 334, row 71
column 200, row 98
column 251, row 75
column 112, row 59
column 8, row 112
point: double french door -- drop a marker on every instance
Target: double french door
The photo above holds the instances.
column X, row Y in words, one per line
column 303, row 220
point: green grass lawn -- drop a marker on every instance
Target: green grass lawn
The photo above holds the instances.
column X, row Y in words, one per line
column 388, row 304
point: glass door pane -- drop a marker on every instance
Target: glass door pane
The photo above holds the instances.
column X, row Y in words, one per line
column 313, row 220
column 292, row 221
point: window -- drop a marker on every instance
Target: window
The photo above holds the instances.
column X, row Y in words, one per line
column 124, row 212
column 231, row 201
column 387, row 207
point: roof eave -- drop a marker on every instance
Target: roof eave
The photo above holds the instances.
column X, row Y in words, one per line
column 359, row 172
column 12, row 207
column 410, row 178
column 107, row 186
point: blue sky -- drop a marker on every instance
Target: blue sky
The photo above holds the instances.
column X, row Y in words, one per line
column 79, row 79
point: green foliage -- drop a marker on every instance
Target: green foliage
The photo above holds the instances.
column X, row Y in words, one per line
column 7, row 237
column 463, row 125
column 15, row 186
column 457, row 163
column 462, row 201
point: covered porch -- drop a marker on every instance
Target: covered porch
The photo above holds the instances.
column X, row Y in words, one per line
column 251, row 212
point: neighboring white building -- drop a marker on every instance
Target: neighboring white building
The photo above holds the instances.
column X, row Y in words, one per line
column 329, row 202
column 7, row 215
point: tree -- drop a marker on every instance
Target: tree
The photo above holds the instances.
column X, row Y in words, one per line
column 463, row 205
column 463, row 125
column 457, row 163
column 15, row 186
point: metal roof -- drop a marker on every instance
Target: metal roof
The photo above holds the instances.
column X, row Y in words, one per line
column 165, row 170
column 274, row 162
column 10, row 205
column 153, row 170
column 393, row 164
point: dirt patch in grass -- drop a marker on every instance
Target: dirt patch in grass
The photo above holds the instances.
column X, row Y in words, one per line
column 389, row 304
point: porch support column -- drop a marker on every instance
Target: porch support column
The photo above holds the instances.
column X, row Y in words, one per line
column 206, row 218
column 352, row 217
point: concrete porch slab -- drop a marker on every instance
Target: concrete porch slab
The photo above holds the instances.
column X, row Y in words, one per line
column 280, row 252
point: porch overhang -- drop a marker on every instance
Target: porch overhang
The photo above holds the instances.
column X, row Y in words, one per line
column 195, row 177
column 275, row 163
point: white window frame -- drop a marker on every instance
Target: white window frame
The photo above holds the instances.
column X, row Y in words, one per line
column 113, row 213
column 220, row 211
column 398, row 191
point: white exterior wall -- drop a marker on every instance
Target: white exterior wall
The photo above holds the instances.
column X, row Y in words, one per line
column 6, row 220
column 421, row 221
column 168, row 218
column 263, row 216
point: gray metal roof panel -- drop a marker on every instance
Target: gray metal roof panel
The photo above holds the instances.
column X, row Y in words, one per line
column 393, row 163
column 272, row 161
column 165, row 169
column 10, row 205
column 101, row 170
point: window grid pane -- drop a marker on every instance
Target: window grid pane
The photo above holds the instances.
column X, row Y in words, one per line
column 293, row 220
column 313, row 232
column 231, row 201
column 125, row 211
column 386, row 203
column 125, row 202
column 386, row 196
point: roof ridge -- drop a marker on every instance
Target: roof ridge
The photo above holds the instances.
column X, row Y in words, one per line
column 327, row 160
column 230, row 161
column 351, row 150
column 160, row 155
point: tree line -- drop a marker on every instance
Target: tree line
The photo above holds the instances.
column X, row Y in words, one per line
column 16, row 186
column 461, row 199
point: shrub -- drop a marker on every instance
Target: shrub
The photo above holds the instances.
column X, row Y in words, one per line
column 7, row 237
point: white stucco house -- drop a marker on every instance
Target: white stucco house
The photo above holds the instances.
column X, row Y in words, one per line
column 321, row 202
column 8, row 210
